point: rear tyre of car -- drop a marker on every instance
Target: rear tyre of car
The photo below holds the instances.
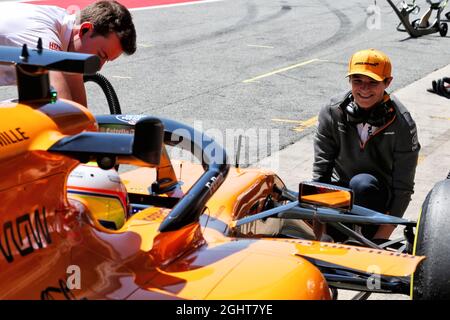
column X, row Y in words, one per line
column 432, row 277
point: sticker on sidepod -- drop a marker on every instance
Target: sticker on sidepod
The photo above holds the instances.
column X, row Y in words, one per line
column 130, row 119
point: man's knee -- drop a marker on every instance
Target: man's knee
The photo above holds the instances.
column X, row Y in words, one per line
column 364, row 183
column 369, row 192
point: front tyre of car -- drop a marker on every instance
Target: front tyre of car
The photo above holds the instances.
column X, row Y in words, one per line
column 432, row 277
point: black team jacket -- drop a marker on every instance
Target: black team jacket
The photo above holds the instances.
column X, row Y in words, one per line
column 390, row 154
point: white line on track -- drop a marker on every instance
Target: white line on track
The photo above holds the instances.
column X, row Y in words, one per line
column 260, row 46
column 175, row 5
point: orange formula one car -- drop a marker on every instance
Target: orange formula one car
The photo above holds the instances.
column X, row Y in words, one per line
column 180, row 230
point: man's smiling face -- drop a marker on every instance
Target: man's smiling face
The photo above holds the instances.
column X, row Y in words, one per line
column 366, row 91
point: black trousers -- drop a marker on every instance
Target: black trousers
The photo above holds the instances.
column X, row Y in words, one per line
column 370, row 192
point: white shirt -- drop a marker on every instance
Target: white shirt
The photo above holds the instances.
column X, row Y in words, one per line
column 365, row 131
column 25, row 23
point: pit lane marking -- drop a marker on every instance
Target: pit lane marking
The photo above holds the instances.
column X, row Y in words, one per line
column 302, row 124
column 421, row 158
column 439, row 118
column 259, row 46
column 122, row 77
column 144, row 45
column 301, row 64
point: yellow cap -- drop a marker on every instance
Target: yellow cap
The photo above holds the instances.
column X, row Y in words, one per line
column 372, row 63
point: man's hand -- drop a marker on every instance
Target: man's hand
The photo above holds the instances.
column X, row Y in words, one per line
column 384, row 231
column 69, row 86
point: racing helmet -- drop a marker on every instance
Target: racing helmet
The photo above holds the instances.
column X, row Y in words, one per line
column 102, row 191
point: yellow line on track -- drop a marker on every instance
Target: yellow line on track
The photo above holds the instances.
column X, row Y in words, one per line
column 440, row 118
column 421, row 159
column 281, row 70
column 302, row 125
column 306, row 124
column 287, row 120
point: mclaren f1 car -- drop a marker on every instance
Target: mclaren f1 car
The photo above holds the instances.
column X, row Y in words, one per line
column 201, row 230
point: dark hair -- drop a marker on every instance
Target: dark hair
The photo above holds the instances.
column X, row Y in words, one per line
column 111, row 16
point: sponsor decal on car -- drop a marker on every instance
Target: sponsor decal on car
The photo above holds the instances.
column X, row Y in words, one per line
column 130, row 119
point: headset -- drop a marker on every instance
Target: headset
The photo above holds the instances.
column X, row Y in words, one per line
column 376, row 116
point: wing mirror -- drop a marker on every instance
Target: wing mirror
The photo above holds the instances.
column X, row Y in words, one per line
column 326, row 195
column 144, row 146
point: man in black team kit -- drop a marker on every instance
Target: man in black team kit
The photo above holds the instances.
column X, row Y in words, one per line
column 367, row 141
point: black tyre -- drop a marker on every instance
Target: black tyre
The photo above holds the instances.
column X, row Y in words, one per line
column 443, row 28
column 432, row 278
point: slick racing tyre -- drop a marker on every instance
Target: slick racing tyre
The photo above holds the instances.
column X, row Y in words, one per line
column 432, row 277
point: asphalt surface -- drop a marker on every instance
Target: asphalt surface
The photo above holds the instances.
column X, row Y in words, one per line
column 192, row 63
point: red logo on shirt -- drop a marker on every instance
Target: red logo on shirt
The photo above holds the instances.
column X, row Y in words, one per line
column 54, row 46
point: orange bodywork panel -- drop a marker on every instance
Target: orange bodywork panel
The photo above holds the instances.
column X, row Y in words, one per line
column 26, row 128
column 239, row 269
column 246, row 187
column 36, row 232
column 360, row 258
column 140, row 263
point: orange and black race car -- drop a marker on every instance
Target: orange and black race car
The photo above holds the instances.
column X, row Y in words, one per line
column 166, row 229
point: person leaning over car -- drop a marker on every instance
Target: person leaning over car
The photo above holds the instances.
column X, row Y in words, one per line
column 366, row 140
column 104, row 28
